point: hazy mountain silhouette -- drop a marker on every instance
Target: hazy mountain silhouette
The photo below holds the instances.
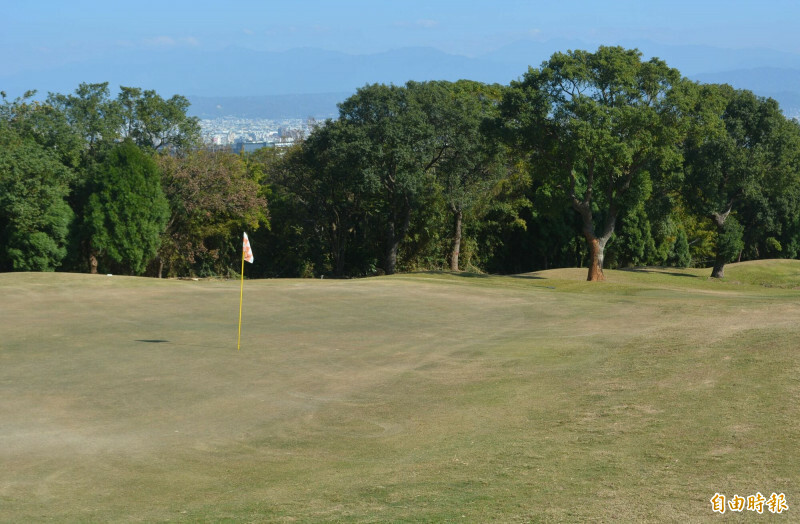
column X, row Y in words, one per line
column 206, row 77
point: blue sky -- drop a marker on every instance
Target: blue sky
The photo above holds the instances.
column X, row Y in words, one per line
column 48, row 32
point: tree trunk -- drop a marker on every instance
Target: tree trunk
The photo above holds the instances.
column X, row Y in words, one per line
column 391, row 257
column 596, row 245
column 92, row 264
column 160, row 267
column 390, row 260
column 719, row 261
column 457, row 218
column 337, row 241
column 596, row 253
column 394, row 238
column 719, row 268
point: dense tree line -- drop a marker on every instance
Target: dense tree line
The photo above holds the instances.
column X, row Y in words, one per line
column 93, row 183
column 595, row 159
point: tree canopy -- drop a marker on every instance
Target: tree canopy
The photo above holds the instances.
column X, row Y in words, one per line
column 599, row 159
column 597, row 124
column 126, row 211
column 742, row 153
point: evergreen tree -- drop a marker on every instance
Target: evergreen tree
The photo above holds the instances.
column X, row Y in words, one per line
column 634, row 244
column 126, row 211
column 679, row 255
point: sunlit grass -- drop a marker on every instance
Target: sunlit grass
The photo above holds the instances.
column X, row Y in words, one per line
column 426, row 397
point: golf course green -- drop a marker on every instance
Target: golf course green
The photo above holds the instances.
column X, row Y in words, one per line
column 427, row 397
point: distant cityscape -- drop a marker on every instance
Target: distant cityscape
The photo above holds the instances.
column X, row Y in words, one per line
column 250, row 134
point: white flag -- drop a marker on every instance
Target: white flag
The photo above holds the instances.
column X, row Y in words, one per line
column 247, row 252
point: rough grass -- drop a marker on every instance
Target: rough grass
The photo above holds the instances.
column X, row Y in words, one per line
column 422, row 398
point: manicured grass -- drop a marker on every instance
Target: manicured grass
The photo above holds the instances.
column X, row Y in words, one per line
column 417, row 398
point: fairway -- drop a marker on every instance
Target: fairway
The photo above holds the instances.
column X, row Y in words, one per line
column 416, row 398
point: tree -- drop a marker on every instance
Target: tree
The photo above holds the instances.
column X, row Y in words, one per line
column 633, row 244
column 156, row 123
column 397, row 144
column 91, row 113
column 471, row 158
column 38, row 150
column 329, row 182
column 598, row 124
column 34, row 216
column 212, row 197
column 126, row 211
column 293, row 238
column 44, row 124
column 679, row 255
column 736, row 154
column 140, row 115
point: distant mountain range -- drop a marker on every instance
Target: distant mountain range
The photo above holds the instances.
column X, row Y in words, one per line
column 309, row 82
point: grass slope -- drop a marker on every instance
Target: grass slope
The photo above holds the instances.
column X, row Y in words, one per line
column 425, row 397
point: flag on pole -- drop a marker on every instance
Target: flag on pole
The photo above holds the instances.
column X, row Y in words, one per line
column 247, row 253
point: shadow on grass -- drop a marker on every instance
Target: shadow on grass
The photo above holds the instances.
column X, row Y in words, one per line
column 528, row 277
column 646, row 270
column 462, row 274
column 171, row 343
column 466, row 274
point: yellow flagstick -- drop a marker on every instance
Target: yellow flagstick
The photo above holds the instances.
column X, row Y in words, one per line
column 241, row 295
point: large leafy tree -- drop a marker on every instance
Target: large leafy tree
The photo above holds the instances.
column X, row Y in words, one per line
column 330, row 184
column 212, row 197
column 92, row 114
column 742, row 154
column 126, row 211
column 37, row 152
column 140, row 115
column 598, row 125
column 153, row 122
column 471, row 157
column 290, row 241
column 45, row 124
column 294, row 241
column 34, row 215
column 396, row 141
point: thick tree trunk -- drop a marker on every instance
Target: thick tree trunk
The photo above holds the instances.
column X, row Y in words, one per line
column 719, row 268
column 92, row 264
column 160, row 267
column 391, row 259
column 596, row 245
column 596, row 253
column 394, row 238
column 457, row 219
column 719, row 262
